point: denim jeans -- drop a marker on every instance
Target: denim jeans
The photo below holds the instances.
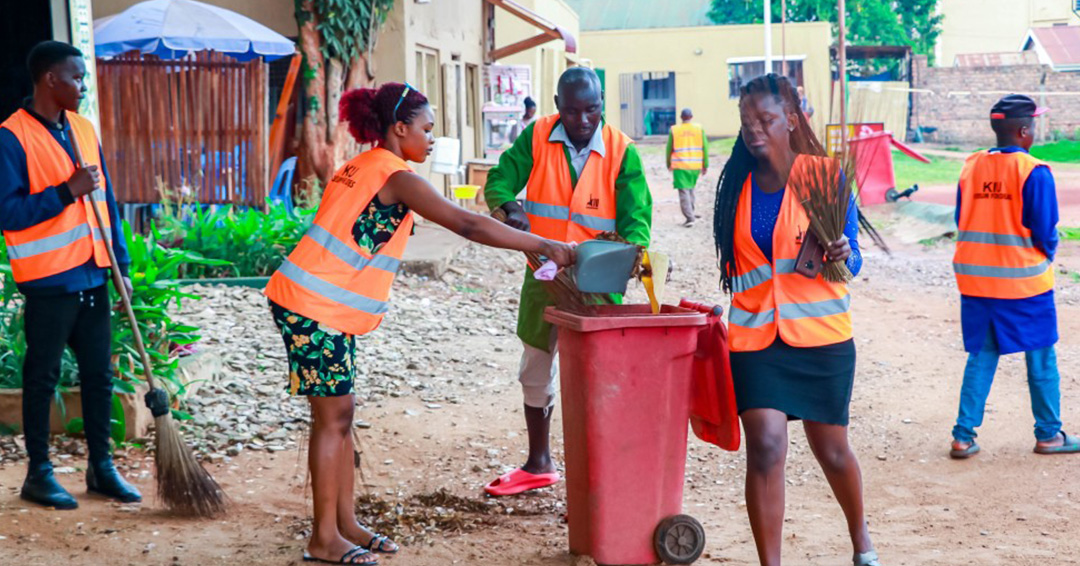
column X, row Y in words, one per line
column 1044, row 382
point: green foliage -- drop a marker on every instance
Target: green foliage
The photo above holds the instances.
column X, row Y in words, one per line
column 870, row 22
column 242, row 242
column 155, row 295
column 1069, row 232
column 345, row 26
column 1064, row 151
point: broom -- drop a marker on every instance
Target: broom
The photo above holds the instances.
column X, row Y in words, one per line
column 183, row 484
column 825, row 191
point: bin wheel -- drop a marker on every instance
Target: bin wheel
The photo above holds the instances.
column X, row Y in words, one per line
column 892, row 195
column 679, row 539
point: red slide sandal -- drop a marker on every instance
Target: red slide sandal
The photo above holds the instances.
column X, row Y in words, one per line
column 520, row 481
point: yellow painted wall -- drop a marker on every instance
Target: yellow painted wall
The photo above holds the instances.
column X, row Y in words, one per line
column 548, row 60
column 701, row 80
column 277, row 15
column 993, row 26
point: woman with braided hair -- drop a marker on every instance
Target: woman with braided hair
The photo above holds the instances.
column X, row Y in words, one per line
column 792, row 353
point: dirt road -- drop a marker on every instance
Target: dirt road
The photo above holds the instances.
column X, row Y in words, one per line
column 459, row 423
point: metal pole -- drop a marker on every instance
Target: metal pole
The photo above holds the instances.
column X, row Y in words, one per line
column 768, row 36
column 783, row 36
column 842, row 15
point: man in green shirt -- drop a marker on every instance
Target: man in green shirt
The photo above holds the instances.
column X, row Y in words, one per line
column 687, row 158
column 579, row 133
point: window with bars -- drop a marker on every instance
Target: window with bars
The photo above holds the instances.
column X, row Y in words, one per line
column 742, row 72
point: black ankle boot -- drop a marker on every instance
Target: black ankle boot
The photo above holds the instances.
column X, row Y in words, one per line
column 103, row 478
column 42, row 488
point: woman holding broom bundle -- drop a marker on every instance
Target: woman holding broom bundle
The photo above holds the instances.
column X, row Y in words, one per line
column 336, row 284
column 792, row 353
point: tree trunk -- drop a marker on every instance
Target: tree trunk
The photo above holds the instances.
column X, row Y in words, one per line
column 325, row 142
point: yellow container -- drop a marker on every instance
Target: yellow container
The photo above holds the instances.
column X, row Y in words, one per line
column 465, row 191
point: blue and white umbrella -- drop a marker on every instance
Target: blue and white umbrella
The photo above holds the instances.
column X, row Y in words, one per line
column 171, row 29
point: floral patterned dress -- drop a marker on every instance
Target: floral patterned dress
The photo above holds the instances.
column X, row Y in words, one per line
column 321, row 359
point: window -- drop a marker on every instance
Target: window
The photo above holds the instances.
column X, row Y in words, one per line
column 742, row 71
column 427, row 80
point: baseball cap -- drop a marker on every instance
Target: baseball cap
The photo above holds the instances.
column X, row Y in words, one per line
column 1016, row 106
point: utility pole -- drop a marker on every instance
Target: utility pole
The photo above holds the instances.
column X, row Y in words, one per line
column 842, row 15
column 768, row 36
column 783, row 36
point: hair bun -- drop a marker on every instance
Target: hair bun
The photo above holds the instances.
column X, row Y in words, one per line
column 357, row 107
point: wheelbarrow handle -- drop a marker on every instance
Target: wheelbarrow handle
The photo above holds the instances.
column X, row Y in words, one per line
column 715, row 310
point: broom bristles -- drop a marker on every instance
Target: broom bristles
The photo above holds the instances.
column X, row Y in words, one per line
column 184, row 486
column 825, row 191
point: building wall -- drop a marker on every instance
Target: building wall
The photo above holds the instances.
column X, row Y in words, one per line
column 698, row 56
column 992, row 26
column 450, row 34
column 959, row 106
column 277, row 15
column 548, row 60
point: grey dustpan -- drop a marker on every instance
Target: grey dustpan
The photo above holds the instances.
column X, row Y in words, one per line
column 603, row 266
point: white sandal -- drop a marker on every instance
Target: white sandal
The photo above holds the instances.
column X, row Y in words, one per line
column 867, row 559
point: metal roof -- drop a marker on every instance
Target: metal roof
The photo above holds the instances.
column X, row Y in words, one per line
column 1057, row 46
column 595, row 15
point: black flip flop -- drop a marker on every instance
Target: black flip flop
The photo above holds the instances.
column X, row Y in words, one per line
column 347, row 558
column 966, row 453
column 1070, row 446
column 376, row 545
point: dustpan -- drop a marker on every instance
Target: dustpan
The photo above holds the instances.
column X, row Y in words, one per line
column 603, row 266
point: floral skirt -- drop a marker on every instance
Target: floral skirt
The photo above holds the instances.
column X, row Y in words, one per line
column 320, row 358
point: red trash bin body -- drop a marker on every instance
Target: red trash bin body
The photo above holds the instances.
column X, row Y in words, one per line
column 626, row 380
column 874, row 174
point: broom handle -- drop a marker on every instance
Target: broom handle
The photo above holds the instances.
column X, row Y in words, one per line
column 118, row 278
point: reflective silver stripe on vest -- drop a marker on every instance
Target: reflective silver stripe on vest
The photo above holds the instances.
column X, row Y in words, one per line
column 1001, row 272
column 551, row 211
column 49, row 244
column 331, row 291
column 342, row 251
column 785, row 265
column 748, row 319
column 752, row 278
column 697, row 148
column 996, row 239
column 593, row 222
column 816, row 309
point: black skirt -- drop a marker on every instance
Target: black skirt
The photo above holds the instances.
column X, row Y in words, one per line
column 812, row 384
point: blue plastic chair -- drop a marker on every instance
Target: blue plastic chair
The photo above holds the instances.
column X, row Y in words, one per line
column 281, row 191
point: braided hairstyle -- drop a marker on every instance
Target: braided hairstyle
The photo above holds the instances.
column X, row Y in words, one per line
column 370, row 112
column 742, row 162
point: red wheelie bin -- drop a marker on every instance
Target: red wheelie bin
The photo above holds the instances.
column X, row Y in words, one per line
column 626, row 381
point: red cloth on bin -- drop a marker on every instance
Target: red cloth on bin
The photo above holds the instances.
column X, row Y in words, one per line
column 713, row 414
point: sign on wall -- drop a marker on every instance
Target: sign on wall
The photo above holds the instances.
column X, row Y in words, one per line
column 82, row 37
column 833, row 139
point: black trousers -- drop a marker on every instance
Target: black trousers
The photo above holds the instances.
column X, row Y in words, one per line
column 81, row 321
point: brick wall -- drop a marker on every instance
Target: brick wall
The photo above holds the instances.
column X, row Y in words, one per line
column 962, row 96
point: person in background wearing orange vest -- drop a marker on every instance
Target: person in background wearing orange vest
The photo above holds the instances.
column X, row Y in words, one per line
column 1007, row 213
column 687, row 157
column 583, row 177
column 61, row 266
column 792, row 352
column 336, row 285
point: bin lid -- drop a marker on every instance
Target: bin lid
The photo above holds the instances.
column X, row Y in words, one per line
column 613, row 317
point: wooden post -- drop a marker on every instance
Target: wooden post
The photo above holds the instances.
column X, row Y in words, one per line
column 842, row 15
column 783, row 37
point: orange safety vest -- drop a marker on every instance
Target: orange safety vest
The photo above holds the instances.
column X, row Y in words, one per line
column 686, row 149
column 771, row 298
column 328, row 277
column 995, row 256
column 72, row 237
column 557, row 209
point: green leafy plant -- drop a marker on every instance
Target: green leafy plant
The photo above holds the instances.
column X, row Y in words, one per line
column 155, row 297
column 244, row 242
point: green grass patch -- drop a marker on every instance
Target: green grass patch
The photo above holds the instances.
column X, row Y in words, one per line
column 1064, row 151
column 940, row 171
column 1069, row 233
